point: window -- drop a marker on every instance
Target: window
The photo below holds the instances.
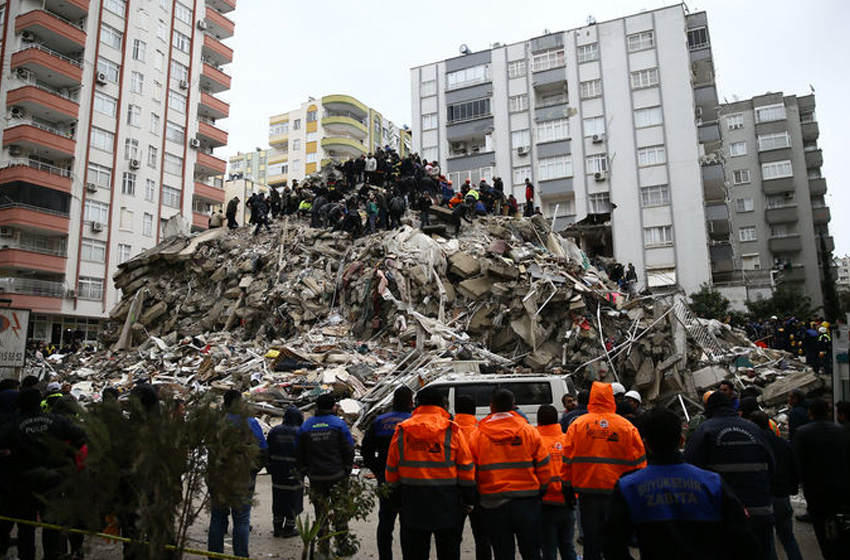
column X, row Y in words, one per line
column 658, row 236
column 179, row 71
column 547, row 60
column 131, row 148
column 296, row 145
column 645, row 78
column 134, row 115
column 128, row 184
column 311, row 116
column 599, row 203
column 159, row 60
column 429, row 121
column 549, row 131
column 781, row 200
column 747, row 233
column 554, row 167
column 153, row 156
column 124, row 252
column 588, row 53
column 520, row 174
column 110, row 36
column 156, row 123
column 105, row 104
column 741, row 176
column 172, row 164
column 96, row 211
column 139, row 50
column 90, row 288
column 650, row 116
column 750, row 262
column 737, row 149
column 177, row 101
column 181, row 42
column 517, row 69
column 652, row 155
column 518, row 103
column 311, row 158
column 150, row 190
column 157, row 92
column 656, row 195
column 162, row 31
column 137, row 82
column 430, row 153
column 296, row 124
column 774, row 141
column 640, row 41
column 93, row 250
column 744, row 205
column 278, row 169
column 428, row 87
column 102, row 139
column 594, row 126
column 117, row 7
column 279, row 128
column 170, row 197
column 776, row 170
column 109, row 69
column 126, row 220
column 735, row 122
column 469, row 110
column 312, row 136
column 520, row 139
column 147, row 224
column 468, row 76
column 100, row 175
column 596, row 163
column 697, row 38
column 590, row 89
column 183, row 13
column 770, row 113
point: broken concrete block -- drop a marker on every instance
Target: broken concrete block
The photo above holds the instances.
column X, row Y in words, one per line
column 463, row 264
column 474, row 288
column 502, row 269
column 153, row 313
column 709, row 376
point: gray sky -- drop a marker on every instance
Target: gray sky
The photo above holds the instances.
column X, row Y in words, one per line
column 288, row 50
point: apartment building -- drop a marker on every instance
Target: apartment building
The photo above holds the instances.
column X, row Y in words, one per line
column 777, row 211
column 250, row 166
column 332, row 128
column 842, row 273
column 109, row 131
column 605, row 121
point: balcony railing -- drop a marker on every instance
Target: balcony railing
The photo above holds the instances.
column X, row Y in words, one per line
column 46, row 128
column 348, row 114
column 61, row 56
column 13, row 204
column 27, row 77
column 31, row 286
column 34, row 245
column 52, row 169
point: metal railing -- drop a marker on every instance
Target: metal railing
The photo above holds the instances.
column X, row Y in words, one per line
column 13, row 204
column 348, row 114
column 60, row 18
column 50, row 51
column 43, row 127
column 34, row 245
column 28, row 78
column 47, row 168
column 31, row 286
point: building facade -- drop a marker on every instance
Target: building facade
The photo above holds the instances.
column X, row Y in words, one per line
column 605, row 122
column 249, row 165
column 110, row 128
column 777, row 211
column 842, row 273
column 332, row 128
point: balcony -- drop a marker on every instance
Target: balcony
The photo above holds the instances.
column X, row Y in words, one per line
column 44, row 104
column 213, row 136
column 344, row 124
column 713, row 182
column 212, row 107
column 821, row 215
column 345, row 104
column 12, row 257
column 40, row 139
column 787, row 244
column 811, row 131
column 40, row 296
column 817, row 187
column 208, row 164
column 25, row 171
column 214, row 80
column 33, row 218
column 200, row 221
column 829, row 241
column 52, row 31
column 52, row 68
column 342, row 146
column 73, row 10
column 223, row 6
column 795, row 274
column 208, row 192
column 778, row 186
column 216, row 52
column 782, row 215
column 218, row 25
column 814, row 159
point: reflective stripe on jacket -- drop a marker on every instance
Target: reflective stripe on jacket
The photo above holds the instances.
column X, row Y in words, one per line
column 601, row 446
column 510, row 458
column 554, row 440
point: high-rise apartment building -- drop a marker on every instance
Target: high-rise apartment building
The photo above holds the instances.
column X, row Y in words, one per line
column 109, row 131
column 250, row 165
column 777, row 210
column 334, row 127
column 605, row 121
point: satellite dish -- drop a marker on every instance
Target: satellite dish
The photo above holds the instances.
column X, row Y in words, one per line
column 464, row 49
column 591, row 20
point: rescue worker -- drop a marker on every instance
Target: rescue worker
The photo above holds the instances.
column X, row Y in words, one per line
column 558, row 516
column 230, row 212
column 287, row 489
column 376, row 444
column 513, row 471
column 53, row 394
column 601, row 446
column 432, row 477
column 825, row 349
column 468, row 423
column 677, row 510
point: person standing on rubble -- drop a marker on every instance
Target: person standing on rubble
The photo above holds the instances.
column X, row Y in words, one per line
column 230, row 213
column 376, row 444
column 371, row 166
column 287, row 488
column 260, row 214
column 529, row 198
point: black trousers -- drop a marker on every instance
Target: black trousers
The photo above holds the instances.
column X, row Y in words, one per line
column 416, row 544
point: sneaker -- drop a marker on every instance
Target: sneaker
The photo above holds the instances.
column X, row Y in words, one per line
column 290, row 532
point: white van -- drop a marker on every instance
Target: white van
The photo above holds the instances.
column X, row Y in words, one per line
column 530, row 391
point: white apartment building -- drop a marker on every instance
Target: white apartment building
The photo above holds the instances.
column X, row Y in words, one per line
column 109, row 131
column 603, row 119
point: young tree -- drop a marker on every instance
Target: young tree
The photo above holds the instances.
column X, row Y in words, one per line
column 831, row 300
column 785, row 300
column 708, row 303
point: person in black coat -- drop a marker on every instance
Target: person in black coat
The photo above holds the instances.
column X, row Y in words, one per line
column 287, row 489
column 583, row 398
column 799, row 413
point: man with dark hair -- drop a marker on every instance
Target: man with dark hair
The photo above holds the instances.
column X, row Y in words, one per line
column 823, row 449
column 677, row 510
column 376, row 445
column 582, row 398
column 799, row 414
column 728, row 389
column 513, row 472
column 431, row 474
column 468, row 423
column 287, row 489
column 558, row 516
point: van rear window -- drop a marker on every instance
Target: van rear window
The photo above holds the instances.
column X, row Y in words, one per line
column 530, row 393
column 480, row 392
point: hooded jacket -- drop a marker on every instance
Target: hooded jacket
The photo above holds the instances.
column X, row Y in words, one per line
column 601, row 446
column 510, row 458
column 468, row 423
column 554, row 440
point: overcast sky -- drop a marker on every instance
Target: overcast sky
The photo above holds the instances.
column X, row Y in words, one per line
column 287, row 50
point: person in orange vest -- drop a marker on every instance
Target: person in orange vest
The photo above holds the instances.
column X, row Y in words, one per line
column 432, row 479
column 512, row 466
column 558, row 516
column 601, row 446
column 465, row 418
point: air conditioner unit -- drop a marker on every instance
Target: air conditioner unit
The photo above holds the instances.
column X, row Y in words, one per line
column 28, row 36
column 17, row 112
column 194, row 143
column 522, row 150
column 22, row 73
column 600, row 176
column 459, row 146
column 184, row 84
column 202, row 25
column 7, row 232
column 71, row 294
column 101, row 78
column 135, row 164
column 91, row 187
column 598, row 138
column 96, row 226
column 15, row 150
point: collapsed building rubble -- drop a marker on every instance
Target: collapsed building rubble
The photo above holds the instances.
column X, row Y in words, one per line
column 300, row 311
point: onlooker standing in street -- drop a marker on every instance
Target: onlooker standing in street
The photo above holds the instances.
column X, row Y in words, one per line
column 468, row 423
column 799, row 414
column 287, row 489
column 582, row 398
column 558, row 516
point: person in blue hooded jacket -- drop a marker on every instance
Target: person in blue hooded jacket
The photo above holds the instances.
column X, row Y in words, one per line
column 287, row 488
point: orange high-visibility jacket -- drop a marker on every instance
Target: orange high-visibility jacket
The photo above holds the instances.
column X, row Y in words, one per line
column 510, row 458
column 600, row 446
column 468, row 424
column 554, row 439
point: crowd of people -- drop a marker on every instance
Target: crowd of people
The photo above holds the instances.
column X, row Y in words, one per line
column 810, row 339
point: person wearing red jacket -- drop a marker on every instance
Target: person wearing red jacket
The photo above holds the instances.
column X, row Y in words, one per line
column 601, row 446
column 432, row 478
column 558, row 516
column 512, row 467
